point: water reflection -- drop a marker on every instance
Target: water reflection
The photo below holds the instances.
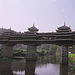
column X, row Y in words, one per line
column 47, row 69
column 47, row 59
column 18, row 65
column 25, row 67
column 53, row 59
column 63, row 69
column 30, row 67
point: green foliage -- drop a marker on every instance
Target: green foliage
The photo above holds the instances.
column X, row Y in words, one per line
column 19, row 52
column 58, row 53
column 48, row 49
column 41, row 52
column 5, row 58
column 72, row 69
column 72, row 58
column 72, row 61
column 45, row 46
column 53, row 48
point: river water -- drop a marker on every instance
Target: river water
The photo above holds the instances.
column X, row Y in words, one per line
column 43, row 66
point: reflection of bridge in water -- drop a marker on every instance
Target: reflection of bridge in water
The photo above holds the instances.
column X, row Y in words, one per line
column 29, row 67
column 63, row 36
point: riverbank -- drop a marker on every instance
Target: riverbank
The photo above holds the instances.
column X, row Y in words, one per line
column 72, row 64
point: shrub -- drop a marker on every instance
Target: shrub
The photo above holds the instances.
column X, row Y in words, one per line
column 72, row 58
column 19, row 52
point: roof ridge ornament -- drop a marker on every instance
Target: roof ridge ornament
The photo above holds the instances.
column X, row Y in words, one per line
column 33, row 24
column 64, row 24
column 10, row 28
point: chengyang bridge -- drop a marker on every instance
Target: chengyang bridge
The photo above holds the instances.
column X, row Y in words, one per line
column 63, row 37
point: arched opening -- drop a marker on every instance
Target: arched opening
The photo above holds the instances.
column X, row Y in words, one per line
column 19, row 50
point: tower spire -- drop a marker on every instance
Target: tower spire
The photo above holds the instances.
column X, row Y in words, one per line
column 64, row 24
column 33, row 24
column 10, row 28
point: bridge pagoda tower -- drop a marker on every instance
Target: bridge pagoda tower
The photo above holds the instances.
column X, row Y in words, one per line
column 31, row 48
column 64, row 33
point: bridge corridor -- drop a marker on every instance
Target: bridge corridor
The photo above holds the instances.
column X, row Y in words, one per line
column 63, row 37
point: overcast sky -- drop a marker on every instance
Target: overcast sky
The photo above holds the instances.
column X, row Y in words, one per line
column 46, row 14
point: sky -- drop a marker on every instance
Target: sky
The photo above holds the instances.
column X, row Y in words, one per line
column 47, row 15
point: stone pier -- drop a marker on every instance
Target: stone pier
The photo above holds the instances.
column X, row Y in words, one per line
column 63, row 69
column 7, row 51
column 31, row 52
column 64, row 55
column 5, row 67
column 30, row 67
